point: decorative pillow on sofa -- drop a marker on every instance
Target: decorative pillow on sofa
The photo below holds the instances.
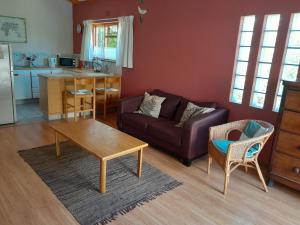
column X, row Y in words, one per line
column 151, row 105
column 191, row 111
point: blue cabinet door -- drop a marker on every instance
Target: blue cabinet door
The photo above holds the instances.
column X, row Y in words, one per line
column 22, row 84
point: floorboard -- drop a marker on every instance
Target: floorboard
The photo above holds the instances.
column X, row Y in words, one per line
column 26, row 199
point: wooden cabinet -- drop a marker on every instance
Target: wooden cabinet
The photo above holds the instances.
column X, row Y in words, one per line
column 35, row 81
column 22, row 84
column 285, row 164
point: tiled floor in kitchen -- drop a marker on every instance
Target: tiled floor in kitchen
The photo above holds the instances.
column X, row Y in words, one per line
column 28, row 112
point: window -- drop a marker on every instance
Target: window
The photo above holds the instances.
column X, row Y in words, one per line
column 105, row 40
column 291, row 59
column 242, row 59
column 265, row 59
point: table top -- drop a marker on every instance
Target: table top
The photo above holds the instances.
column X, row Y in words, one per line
column 99, row 139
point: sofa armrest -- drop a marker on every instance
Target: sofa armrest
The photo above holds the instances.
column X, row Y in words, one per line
column 129, row 104
column 196, row 132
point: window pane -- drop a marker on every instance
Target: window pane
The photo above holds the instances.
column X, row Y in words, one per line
column 241, row 68
column 294, row 39
column 270, row 39
column 296, row 22
column 261, row 85
column 248, row 23
column 280, row 91
column 239, row 82
column 272, row 22
column 237, row 96
column 289, row 72
column 244, row 53
column 110, row 53
column 263, row 70
column 246, row 38
column 277, row 103
column 292, row 56
column 112, row 42
column 258, row 100
column 266, row 55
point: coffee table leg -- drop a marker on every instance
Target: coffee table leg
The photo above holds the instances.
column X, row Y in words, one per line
column 140, row 162
column 58, row 152
column 102, row 180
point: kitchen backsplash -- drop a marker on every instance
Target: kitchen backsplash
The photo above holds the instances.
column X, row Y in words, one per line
column 40, row 59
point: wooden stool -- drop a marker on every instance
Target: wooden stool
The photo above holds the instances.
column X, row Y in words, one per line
column 108, row 92
column 80, row 89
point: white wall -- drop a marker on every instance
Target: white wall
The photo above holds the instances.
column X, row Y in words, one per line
column 49, row 24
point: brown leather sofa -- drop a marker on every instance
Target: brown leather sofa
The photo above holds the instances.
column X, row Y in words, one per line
column 186, row 143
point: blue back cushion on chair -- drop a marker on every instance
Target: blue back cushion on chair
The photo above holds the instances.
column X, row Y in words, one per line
column 223, row 145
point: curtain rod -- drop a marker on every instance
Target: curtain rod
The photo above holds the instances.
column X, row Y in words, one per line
column 105, row 19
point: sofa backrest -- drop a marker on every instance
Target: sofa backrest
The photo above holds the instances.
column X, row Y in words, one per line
column 183, row 104
column 170, row 105
column 173, row 107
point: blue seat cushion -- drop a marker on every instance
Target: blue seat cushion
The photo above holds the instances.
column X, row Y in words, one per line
column 223, row 145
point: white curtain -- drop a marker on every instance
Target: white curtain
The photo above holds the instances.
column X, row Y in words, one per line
column 99, row 50
column 125, row 43
column 87, row 42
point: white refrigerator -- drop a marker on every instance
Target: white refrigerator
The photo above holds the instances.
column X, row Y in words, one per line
column 7, row 100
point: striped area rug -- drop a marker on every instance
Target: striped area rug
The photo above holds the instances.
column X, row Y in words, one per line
column 74, row 179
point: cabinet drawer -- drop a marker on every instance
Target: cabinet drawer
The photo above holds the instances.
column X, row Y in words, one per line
column 292, row 100
column 286, row 166
column 289, row 144
column 291, row 121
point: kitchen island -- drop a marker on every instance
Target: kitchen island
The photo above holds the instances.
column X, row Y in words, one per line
column 52, row 87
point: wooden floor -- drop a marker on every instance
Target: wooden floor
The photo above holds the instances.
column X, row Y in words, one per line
column 26, row 199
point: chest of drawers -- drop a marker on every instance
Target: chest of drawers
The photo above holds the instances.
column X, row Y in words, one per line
column 285, row 163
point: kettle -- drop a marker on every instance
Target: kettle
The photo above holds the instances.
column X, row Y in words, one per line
column 52, row 62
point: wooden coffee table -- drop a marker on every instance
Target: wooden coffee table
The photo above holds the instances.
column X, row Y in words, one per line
column 102, row 141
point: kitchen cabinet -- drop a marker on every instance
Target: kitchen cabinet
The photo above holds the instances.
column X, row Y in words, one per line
column 22, row 84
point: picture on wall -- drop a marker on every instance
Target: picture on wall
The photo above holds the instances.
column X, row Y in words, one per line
column 12, row 30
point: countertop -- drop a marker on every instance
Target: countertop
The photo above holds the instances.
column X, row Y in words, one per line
column 37, row 68
column 69, row 73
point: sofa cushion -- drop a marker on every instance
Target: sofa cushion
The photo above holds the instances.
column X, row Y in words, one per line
column 151, row 105
column 192, row 111
column 183, row 104
column 165, row 130
column 137, row 121
column 169, row 106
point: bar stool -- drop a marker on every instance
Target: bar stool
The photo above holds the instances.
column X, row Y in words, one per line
column 108, row 92
column 82, row 91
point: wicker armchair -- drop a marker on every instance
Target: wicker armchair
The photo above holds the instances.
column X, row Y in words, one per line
column 237, row 151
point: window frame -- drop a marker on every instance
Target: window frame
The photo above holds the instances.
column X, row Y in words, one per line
column 261, row 62
column 237, row 60
column 106, row 24
column 283, row 63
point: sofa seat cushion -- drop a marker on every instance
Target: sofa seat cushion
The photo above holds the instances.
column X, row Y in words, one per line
column 169, row 106
column 137, row 121
column 165, row 130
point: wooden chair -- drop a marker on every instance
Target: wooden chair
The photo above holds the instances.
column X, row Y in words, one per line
column 82, row 91
column 237, row 151
column 108, row 92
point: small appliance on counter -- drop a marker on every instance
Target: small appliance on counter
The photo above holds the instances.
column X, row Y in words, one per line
column 68, row 61
column 52, row 62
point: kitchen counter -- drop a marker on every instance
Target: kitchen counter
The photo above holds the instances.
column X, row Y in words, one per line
column 52, row 87
column 37, row 68
column 69, row 73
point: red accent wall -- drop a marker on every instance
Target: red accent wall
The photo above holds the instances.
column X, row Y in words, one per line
column 188, row 48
